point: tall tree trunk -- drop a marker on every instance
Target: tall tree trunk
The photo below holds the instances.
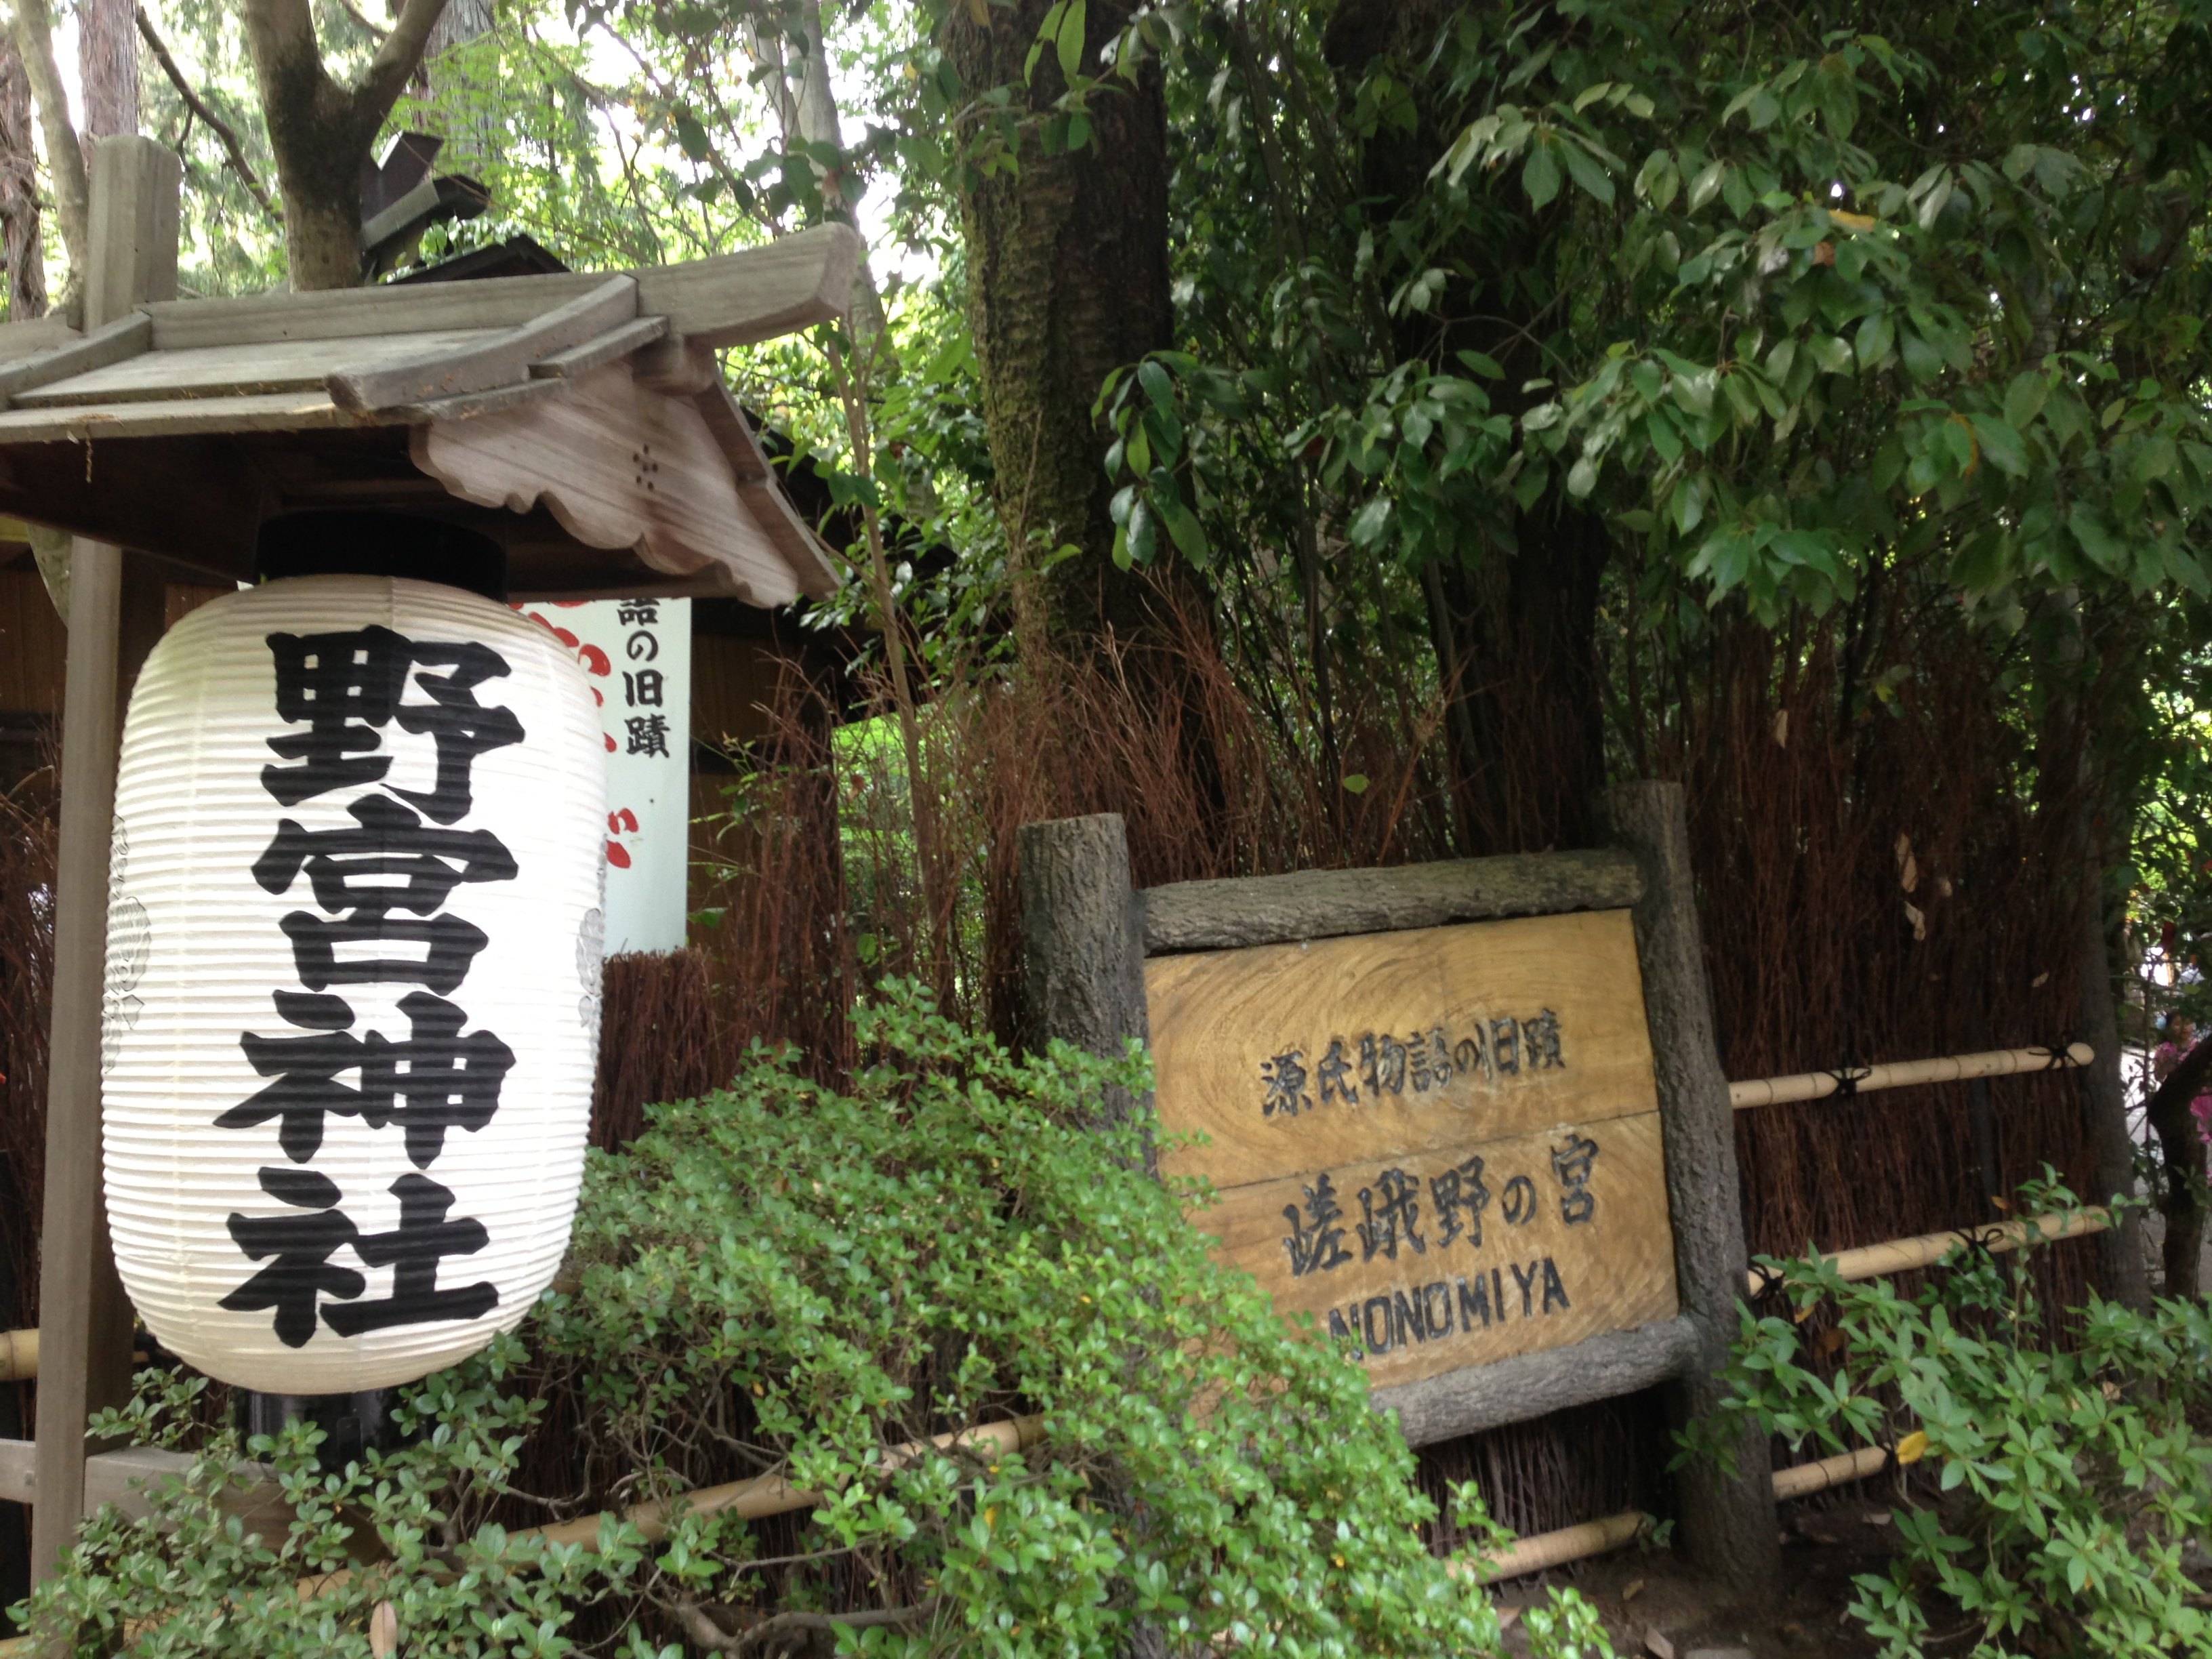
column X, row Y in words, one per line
column 35, row 46
column 464, row 21
column 473, row 140
column 321, row 131
column 19, row 192
column 1514, row 618
column 1516, row 632
column 107, row 66
column 1068, row 281
column 2069, row 784
column 815, row 115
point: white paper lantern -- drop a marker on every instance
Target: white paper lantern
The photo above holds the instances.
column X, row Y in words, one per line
column 353, row 979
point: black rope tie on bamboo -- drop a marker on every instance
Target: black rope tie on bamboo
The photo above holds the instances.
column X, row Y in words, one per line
column 1847, row 1074
column 2060, row 1054
column 1767, row 1296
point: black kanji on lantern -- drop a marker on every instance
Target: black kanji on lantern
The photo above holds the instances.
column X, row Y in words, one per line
column 345, row 688
column 436, row 1079
column 300, row 1273
column 342, row 688
column 413, row 1250
column 350, row 950
column 392, row 861
column 462, row 728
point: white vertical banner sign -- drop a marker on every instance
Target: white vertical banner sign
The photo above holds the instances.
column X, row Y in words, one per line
column 636, row 655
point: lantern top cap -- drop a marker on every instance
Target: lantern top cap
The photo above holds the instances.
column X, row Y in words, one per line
column 581, row 420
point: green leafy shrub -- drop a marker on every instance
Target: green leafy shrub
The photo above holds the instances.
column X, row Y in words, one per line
column 782, row 1278
column 2071, row 1484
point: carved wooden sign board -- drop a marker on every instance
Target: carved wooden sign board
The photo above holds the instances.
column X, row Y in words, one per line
column 1442, row 1143
column 1468, row 1118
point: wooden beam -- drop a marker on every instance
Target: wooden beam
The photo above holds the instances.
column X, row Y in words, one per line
column 134, row 209
column 761, row 490
column 737, row 299
column 615, row 342
column 124, row 1477
column 791, row 283
column 85, row 1320
column 84, row 1360
column 1727, row 1517
column 502, row 359
column 1221, row 915
column 126, row 337
column 618, row 466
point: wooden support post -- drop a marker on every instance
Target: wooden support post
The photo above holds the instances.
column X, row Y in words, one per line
column 1728, row 1524
column 135, row 184
column 84, row 1319
column 1084, row 937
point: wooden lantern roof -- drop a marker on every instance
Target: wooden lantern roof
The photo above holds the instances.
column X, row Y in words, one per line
column 581, row 420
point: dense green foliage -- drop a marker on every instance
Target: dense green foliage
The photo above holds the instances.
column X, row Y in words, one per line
column 2072, row 1478
column 781, row 1277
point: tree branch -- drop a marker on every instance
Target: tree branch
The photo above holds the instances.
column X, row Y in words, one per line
column 374, row 31
column 35, row 43
column 396, row 60
column 199, row 106
column 704, row 1632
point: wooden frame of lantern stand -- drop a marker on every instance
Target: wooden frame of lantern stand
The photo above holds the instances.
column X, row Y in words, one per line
column 582, row 419
column 1088, row 933
column 84, row 1318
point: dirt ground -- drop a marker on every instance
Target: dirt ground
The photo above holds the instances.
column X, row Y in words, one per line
column 1639, row 1591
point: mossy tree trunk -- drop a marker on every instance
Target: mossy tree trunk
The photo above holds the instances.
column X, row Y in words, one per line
column 1068, row 276
column 321, row 131
column 1513, row 615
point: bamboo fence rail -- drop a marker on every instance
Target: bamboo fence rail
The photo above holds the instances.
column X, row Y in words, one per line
column 18, row 1356
column 1905, row 1074
column 1556, row 1549
column 1899, row 1256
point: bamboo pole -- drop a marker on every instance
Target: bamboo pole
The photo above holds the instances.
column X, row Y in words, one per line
column 1905, row 1073
column 18, row 1356
column 771, row 1494
column 1900, row 1255
column 1844, row 1468
column 1578, row 1543
column 1555, row 1549
column 763, row 1495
